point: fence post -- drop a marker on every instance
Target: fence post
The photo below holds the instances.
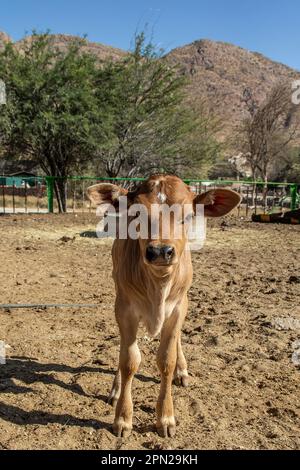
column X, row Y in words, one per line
column 50, row 192
column 293, row 192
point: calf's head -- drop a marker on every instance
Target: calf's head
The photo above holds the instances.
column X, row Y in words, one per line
column 161, row 211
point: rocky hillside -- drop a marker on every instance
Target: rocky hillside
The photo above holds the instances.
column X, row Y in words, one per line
column 62, row 41
column 219, row 73
column 4, row 38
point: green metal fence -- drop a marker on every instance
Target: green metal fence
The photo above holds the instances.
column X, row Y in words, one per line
column 37, row 194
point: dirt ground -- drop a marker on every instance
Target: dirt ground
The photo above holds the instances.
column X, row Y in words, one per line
column 244, row 391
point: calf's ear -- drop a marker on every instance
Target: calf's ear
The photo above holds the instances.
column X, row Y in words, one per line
column 105, row 195
column 218, row 202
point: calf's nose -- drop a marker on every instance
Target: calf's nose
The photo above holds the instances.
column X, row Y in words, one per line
column 167, row 252
column 152, row 253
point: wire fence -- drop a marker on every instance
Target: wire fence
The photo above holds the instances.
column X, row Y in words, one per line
column 36, row 194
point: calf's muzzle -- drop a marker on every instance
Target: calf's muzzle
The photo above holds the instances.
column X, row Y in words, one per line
column 165, row 252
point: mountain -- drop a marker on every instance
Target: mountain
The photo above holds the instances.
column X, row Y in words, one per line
column 219, row 73
column 4, row 39
column 101, row 51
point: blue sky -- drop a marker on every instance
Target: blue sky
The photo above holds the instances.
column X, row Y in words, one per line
column 267, row 26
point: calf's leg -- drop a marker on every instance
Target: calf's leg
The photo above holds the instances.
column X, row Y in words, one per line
column 181, row 376
column 128, row 365
column 115, row 390
column 166, row 360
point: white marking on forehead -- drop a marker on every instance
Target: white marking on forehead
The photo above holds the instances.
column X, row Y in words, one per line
column 161, row 197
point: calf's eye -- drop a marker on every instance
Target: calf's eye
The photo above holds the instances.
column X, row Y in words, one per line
column 187, row 219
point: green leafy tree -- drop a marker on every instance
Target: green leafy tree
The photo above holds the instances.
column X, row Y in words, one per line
column 52, row 113
column 152, row 127
column 68, row 112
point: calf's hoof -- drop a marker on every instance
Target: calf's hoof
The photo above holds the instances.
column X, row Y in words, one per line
column 121, row 428
column 166, row 427
column 112, row 400
column 113, row 397
column 181, row 379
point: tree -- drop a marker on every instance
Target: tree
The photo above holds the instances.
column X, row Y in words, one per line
column 67, row 111
column 153, row 130
column 52, row 112
column 289, row 169
column 268, row 131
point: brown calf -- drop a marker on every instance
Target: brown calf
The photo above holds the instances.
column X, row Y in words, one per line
column 152, row 278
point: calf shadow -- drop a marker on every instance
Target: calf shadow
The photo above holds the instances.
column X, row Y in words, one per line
column 16, row 415
column 29, row 371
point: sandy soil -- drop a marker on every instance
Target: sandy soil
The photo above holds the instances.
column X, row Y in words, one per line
column 244, row 390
